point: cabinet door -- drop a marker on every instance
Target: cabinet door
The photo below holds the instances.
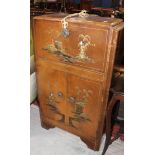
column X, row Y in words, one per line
column 52, row 93
column 83, row 104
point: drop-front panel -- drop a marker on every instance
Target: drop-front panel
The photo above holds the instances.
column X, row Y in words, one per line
column 74, row 66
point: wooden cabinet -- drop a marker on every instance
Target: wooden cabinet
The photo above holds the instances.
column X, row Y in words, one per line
column 74, row 71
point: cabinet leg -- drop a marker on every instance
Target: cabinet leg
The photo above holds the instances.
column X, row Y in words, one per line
column 46, row 125
column 44, row 122
column 94, row 145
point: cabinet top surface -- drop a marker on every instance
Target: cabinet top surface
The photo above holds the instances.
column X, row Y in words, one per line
column 91, row 19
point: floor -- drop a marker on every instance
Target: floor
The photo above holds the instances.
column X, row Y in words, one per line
column 59, row 142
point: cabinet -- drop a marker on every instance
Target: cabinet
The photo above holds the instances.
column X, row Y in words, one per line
column 74, row 67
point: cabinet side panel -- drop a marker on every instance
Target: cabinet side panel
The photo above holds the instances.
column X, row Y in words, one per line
column 111, row 50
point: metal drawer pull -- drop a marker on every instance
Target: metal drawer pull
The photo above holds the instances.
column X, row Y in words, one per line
column 65, row 30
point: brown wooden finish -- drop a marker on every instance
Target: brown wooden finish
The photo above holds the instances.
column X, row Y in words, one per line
column 73, row 92
column 70, row 44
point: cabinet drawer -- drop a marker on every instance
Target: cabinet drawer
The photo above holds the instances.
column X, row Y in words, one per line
column 85, row 47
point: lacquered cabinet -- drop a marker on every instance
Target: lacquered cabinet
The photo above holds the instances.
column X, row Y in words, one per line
column 74, row 72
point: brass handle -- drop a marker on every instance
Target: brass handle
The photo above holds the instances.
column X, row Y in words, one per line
column 65, row 30
column 72, row 99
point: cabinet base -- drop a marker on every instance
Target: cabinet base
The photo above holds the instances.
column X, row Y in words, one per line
column 45, row 124
column 93, row 144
